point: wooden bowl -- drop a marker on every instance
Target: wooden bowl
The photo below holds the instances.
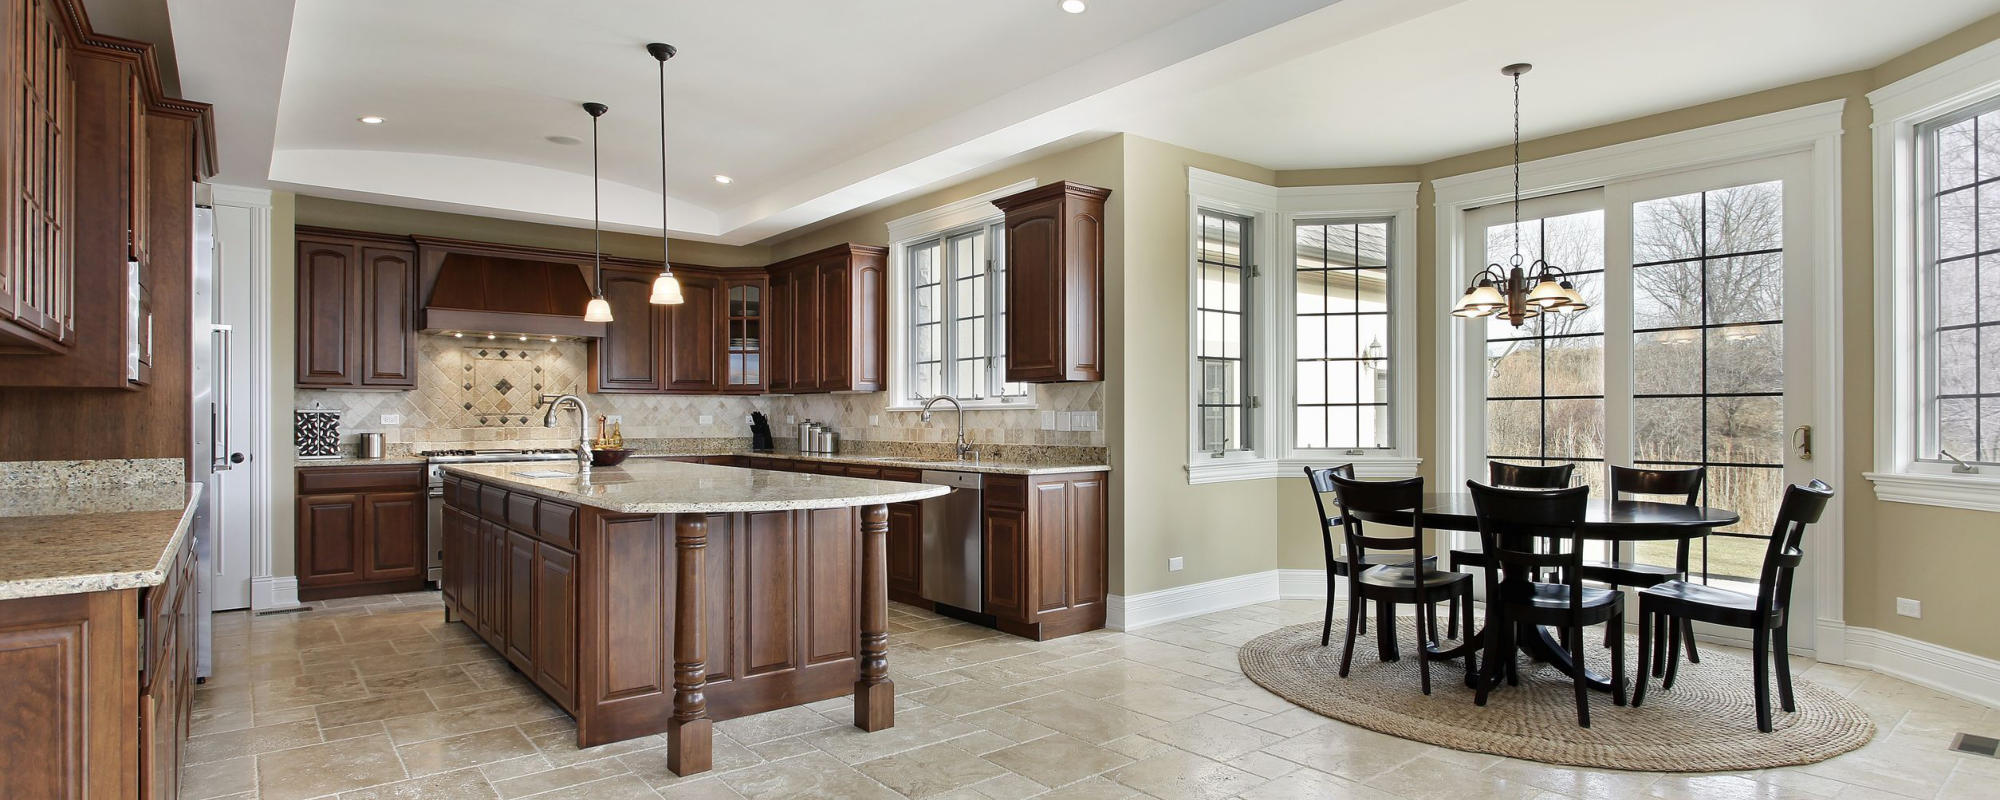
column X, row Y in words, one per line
column 609, row 458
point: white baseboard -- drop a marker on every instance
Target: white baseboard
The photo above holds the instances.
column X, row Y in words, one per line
column 1954, row 672
column 274, row 593
column 1125, row 613
column 1302, row 584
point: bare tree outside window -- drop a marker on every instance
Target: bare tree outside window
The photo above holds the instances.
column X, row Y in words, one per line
column 1222, row 256
column 1545, row 379
column 1961, row 216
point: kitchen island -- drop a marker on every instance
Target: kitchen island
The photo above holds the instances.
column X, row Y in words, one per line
column 659, row 596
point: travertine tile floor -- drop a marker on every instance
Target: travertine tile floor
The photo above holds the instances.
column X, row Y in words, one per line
column 379, row 698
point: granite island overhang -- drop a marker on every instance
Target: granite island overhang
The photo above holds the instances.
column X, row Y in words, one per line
column 659, row 596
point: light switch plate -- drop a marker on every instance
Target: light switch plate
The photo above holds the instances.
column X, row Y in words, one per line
column 791, row 420
column 874, row 420
column 1062, row 421
column 392, row 419
column 1174, row 564
column 1910, row 608
column 1048, row 420
column 707, row 419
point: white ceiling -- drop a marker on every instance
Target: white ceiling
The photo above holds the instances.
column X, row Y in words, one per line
column 1431, row 87
column 819, row 108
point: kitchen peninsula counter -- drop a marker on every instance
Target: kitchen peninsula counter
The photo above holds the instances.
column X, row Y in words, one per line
column 659, row 596
column 57, row 541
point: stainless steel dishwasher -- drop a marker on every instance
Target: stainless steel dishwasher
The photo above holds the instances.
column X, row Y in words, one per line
column 954, row 542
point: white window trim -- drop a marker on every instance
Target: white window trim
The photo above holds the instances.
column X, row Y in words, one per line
column 1273, row 210
column 1814, row 130
column 905, row 231
column 1898, row 109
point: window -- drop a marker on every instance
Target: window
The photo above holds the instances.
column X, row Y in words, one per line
column 957, row 317
column 1545, row 379
column 1959, row 224
column 1341, row 340
column 1222, row 324
column 1298, row 315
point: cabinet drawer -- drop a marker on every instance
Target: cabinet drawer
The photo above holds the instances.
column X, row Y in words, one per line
column 467, row 497
column 555, row 523
column 899, row 474
column 864, row 472
column 493, row 503
column 521, row 511
column 341, row 480
column 1006, row 491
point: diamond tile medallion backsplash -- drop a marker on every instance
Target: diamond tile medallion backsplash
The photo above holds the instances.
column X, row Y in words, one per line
column 474, row 390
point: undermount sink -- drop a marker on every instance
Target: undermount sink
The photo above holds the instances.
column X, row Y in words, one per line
column 544, row 474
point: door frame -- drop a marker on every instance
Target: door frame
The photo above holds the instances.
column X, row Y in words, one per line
column 262, row 443
column 1813, row 131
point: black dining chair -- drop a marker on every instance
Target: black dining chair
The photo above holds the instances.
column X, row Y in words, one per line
column 1766, row 614
column 1416, row 582
column 1618, row 571
column 1320, row 481
column 1519, row 476
column 1511, row 521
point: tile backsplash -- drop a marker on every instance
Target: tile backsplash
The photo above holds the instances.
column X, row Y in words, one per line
column 472, row 391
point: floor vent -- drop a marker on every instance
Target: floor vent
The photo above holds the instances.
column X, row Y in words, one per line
column 285, row 611
column 1975, row 744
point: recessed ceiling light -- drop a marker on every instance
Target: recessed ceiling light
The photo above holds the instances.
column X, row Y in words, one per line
column 371, row 120
column 724, row 179
column 563, row 140
column 1072, row 6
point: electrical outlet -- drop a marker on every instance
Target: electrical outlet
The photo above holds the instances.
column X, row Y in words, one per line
column 791, row 420
column 392, row 419
column 1174, row 564
column 874, row 420
column 614, row 419
column 707, row 419
column 1048, row 420
column 1910, row 608
column 1062, row 421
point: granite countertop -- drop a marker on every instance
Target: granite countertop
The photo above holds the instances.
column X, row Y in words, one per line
column 353, row 461
column 672, row 487
column 991, row 467
column 56, row 541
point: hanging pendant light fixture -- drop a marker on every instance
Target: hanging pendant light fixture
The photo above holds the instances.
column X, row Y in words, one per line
column 666, row 288
column 1518, row 291
column 599, row 310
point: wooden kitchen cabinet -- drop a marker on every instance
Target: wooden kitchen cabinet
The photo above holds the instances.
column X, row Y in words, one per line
column 828, row 321
column 1055, row 283
column 700, row 346
column 694, row 327
column 631, row 357
column 510, row 576
column 37, row 270
column 1047, row 553
column 519, row 589
column 356, row 311
column 744, row 325
column 906, row 553
column 360, row 530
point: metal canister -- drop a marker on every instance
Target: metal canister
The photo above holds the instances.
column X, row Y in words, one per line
column 831, row 444
column 371, row 445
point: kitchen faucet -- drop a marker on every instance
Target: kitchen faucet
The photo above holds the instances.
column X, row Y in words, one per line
column 582, row 427
column 959, row 412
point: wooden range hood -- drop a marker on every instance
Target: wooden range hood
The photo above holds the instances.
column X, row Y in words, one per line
column 475, row 287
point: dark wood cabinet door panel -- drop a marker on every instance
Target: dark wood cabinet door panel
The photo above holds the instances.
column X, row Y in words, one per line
column 868, row 319
column 906, row 552
column 520, row 601
column 1008, row 545
column 835, row 325
column 394, row 534
column 724, row 580
column 388, row 316
column 330, row 540
column 632, row 588
column 65, row 715
column 555, row 624
column 833, row 581
column 1089, row 539
column 1051, row 556
column 779, row 347
column 693, row 350
column 772, row 583
column 808, row 339
column 630, row 356
column 1055, row 283
column 329, row 295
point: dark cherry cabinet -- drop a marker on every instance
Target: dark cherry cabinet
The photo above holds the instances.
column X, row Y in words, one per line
column 519, row 584
column 744, row 325
column 631, row 357
column 829, row 321
column 510, row 574
column 357, row 311
column 37, row 272
column 693, row 351
column 1055, row 283
column 360, row 530
column 1047, row 552
column 555, row 620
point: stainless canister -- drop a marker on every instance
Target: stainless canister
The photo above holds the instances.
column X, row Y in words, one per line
column 830, row 443
column 371, row 445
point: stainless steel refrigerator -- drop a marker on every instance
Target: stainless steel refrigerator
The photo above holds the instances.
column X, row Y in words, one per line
column 210, row 449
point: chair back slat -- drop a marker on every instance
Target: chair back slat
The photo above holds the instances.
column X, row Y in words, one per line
column 1686, row 483
column 1511, row 521
column 1802, row 506
column 1359, row 500
column 1526, row 476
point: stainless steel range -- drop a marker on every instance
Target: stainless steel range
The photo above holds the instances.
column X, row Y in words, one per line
column 434, row 525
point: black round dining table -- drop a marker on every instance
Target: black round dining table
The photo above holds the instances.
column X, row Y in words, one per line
column 1604, row 519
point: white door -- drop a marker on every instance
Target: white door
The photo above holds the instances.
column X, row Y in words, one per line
column 235, row 498
column 1698, row 350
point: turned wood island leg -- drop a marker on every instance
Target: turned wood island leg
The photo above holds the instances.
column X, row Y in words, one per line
column 689, row 731
column 874, row 693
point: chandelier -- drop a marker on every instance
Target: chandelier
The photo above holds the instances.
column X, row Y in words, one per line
column 1518, row 291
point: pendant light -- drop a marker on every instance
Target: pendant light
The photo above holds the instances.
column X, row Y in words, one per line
column 666, row 288
column 599, row 310
column 1515, row 292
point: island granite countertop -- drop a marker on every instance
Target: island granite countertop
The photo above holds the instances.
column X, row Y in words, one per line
column 672, row 487
column 988, row 466
column 56, row 541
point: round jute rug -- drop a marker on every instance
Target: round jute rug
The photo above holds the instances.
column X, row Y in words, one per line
column 1707, row 723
